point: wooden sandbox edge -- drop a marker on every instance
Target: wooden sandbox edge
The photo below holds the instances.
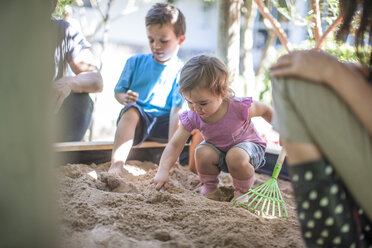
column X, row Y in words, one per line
column 97, row 145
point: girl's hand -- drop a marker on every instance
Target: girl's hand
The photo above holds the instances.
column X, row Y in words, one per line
column 161, row 180
column 313, row 65
column 177, row 164
column 130, row 97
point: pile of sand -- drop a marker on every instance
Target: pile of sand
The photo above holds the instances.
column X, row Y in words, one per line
column 114, row 212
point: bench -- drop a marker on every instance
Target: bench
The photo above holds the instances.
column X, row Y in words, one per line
column 100, row 152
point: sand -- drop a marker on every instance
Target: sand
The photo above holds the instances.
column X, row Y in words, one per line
column 115, row 212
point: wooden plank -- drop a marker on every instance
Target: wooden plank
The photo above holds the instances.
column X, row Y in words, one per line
column 107, row 145
column 97, row 145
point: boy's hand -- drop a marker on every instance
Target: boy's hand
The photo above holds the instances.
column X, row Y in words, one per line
column 130, row 97
column 161, row 180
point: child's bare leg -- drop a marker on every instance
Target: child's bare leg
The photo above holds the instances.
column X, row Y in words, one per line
column 206, row 160
column 123, row 142
column 238, row 162
column 327, row 213
column 241, row 170
column 301, row 152
column 197, row 138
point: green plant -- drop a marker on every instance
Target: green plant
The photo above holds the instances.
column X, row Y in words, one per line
column 60, row 10
column 343, row 51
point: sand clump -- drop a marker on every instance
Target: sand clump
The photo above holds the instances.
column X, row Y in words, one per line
column 101, row 210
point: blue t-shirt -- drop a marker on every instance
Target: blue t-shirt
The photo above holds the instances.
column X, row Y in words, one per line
column 156, row 84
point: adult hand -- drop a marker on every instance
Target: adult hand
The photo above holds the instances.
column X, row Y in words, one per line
column 161, row 180
column 62, row 90
column 314, row 65
column 130, row 97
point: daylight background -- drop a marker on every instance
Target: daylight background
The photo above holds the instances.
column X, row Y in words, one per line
column 116, row 30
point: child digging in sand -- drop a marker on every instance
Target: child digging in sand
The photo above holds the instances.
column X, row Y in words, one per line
column 148, row 86
column 231, row 142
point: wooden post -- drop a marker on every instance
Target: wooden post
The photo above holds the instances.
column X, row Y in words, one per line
column 27, row 216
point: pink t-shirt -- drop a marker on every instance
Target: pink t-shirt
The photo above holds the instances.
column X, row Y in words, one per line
column 232, row 129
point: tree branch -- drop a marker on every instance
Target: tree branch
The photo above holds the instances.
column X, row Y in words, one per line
column 329, row 30
column 276, row 25
column 317, row 29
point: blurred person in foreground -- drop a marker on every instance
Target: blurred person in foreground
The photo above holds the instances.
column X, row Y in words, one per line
column 323, row 112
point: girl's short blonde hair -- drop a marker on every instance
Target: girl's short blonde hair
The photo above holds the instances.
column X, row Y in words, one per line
column 205, row 71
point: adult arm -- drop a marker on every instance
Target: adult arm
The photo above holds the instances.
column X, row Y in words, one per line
column 170, row 156
column 347, row 81
column 354, row 89
column 87, row 78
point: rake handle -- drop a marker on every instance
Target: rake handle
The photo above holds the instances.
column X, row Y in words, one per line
column 281, row 156
column 279, row 162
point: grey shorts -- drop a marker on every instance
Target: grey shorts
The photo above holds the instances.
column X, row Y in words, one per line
column 306, row 112
column 255, row 152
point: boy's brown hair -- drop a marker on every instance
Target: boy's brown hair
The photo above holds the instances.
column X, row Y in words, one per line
column 164, row 13
column 206, row 71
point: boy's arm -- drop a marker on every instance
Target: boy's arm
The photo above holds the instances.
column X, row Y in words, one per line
column 170, row 156
column 261, row 109
column 173, row 122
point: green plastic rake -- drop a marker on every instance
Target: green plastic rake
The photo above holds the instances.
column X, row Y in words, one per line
column 266, row 199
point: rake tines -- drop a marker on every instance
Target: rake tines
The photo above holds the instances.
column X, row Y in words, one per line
column 266, row 199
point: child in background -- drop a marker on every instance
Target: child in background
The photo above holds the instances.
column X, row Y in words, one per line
column 148, row 86
column 231, row 142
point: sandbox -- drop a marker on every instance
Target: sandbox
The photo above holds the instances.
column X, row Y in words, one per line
column 100, row 210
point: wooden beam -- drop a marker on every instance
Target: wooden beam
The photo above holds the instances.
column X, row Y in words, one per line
column 98, row 145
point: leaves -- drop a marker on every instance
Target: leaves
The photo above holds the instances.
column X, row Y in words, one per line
column 62, row 8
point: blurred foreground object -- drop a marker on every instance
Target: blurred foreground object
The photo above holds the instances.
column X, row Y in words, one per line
column 27, row 213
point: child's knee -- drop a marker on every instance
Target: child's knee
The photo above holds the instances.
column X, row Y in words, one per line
column 131, row 116
column 205, row 153
column 237, row 158
column 241, row 167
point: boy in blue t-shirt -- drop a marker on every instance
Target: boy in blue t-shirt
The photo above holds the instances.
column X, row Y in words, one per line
column 148, row 86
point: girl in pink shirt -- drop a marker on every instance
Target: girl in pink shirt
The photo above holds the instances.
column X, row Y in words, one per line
column 231, row 142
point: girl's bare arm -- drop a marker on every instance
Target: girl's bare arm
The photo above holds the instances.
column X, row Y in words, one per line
column 261, row 109
column 170, row 156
